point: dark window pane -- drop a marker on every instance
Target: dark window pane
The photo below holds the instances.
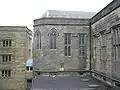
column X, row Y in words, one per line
column 3, row 43
column 80, row 50
column 65, row 50
column 51, row 42
column 6, row 43
column 10, row 43
column 2, row 73
column 38, row 41
column 5, row 73
column 83, row 52
column 52, row 39
column 29, row 80
column 9, row 73
column 27, row 67
column 65, row 39
column 6, row 58
column 82, row 39
column 79, row 39
column 9, row 57
column 31, row 68
column 69, row 39
column 69, row 51
column 3, row 58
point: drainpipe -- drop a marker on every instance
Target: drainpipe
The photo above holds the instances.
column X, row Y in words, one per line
column 90, row 47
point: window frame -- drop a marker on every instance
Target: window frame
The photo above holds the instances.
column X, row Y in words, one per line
column 6, row 42
column 6, row 73
column 116, row 43
column 67, row 45
column 37, row 38
column 6, row 57
column 29, row 68
column 52, row 38
column 82, row 45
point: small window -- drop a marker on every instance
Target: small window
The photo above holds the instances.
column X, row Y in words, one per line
column 29, row 80
column 29, row 68
column 6, row 58
column 6, row 43
column 6, row 73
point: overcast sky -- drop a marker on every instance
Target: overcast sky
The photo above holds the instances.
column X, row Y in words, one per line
column 23, row 12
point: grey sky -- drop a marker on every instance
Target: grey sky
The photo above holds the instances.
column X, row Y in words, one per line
column 23, row 12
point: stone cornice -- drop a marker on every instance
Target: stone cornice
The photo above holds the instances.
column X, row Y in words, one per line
column 60, row 21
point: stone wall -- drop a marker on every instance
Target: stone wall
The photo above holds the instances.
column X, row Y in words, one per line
column 46, row 59
column 19, row 53
column 102, row 44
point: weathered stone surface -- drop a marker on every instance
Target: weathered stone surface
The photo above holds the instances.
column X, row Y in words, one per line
column 20, row 53
column 46, row 59
column 105, row 24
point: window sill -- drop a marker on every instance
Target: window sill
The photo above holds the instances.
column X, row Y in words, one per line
column 84, row 57
column 29, row 70
column 116, row 61
column 10, row 77
column 103, row 46
column 9, row 62
column 68, row 56
column 53, row 49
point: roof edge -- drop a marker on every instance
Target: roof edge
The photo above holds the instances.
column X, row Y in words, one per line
column 105, row 11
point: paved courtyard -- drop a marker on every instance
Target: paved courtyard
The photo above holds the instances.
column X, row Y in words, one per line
column 67, row 83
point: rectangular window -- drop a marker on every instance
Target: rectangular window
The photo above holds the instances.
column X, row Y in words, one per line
column 116, row 43
column 6, row 58
column 6, row 73
column 82, row 45
column 103, row 43
column 29, row 68
column 67, row 44
column 6, row 43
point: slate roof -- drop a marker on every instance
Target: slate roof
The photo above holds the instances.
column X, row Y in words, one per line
column 66, row 83
column 68, row 14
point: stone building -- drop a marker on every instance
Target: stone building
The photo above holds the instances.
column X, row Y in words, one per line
column 61, row 41
column 15, row 50
column 74, row 41
column 105, row 36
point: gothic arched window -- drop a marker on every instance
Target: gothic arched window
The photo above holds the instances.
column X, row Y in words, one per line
column 38, row 40
column 53, row 39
